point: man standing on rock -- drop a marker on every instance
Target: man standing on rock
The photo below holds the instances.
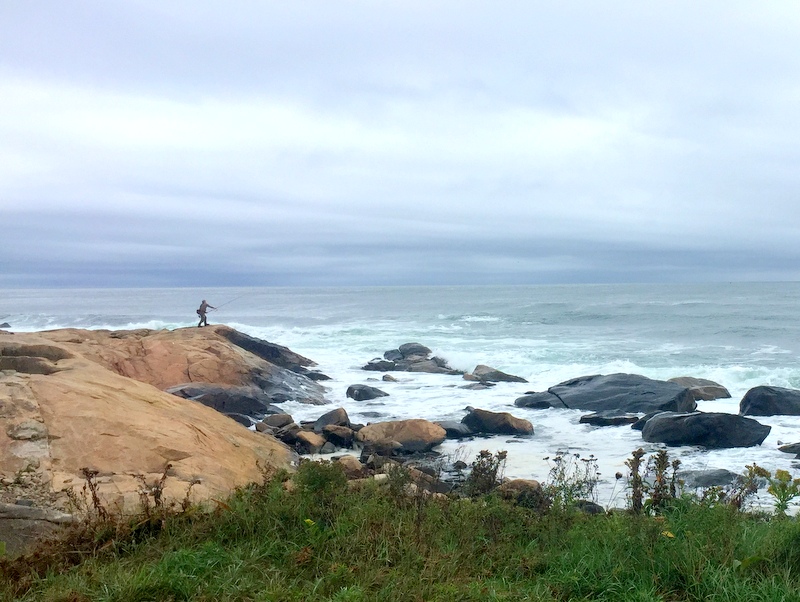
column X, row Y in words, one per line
column 204, row 307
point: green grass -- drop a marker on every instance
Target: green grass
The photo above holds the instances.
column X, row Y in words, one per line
column 326, row 542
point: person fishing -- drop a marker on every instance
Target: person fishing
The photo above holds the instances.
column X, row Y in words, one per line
column 204, row 307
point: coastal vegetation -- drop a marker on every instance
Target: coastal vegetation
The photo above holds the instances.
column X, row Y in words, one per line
column 315, row 535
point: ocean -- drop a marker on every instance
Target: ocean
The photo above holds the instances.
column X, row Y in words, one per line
column 737, row 334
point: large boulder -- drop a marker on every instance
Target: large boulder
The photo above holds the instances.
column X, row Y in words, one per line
column 770, row 401
column 487, row 374
column 84, row 414
column 413, row 435
column 364, row 392
column 410, row 357
column 496, row 423
column 337, row 417
column 624, row 393
column 702, row 389
column 707, row 429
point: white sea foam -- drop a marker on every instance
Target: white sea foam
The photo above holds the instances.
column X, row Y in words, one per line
column 739, row 335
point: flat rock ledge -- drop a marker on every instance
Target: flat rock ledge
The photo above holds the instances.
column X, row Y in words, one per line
column 22, row 527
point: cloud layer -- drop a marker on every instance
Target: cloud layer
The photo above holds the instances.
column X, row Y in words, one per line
column 146, row 143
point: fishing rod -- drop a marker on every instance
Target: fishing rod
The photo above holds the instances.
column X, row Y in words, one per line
column 231, row 301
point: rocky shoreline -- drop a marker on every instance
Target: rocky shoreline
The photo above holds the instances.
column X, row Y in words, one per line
column 128, row 403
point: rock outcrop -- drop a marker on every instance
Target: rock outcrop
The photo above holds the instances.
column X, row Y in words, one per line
column 707, row 429
column 485, row 374
column 623, row 393
column 217, row 355
column 770, row 401
column 74, row 399
column 496, row 423
column 702, row 389
column 410, row 357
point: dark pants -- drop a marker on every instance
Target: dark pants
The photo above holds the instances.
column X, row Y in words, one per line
column 203, row 321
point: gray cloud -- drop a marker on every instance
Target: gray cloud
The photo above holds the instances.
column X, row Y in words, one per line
column 187, row 143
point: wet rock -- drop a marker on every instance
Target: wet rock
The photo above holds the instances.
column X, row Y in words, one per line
column 337, row 417
column 364, row 392
column 627, row 393
column 410, row 357
column 707, row 429
column 715, row 477
column 250, row 401
column 639, row 424
column 770, row 401
column 604, row 419
column 500, row 423
column 790, row 448
column 340, row 436
column 487, row 374
column 455, row 430
column 702, row 389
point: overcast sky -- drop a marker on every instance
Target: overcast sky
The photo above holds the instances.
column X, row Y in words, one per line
column 194, row 143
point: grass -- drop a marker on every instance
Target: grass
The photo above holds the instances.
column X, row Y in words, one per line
column 323, row 540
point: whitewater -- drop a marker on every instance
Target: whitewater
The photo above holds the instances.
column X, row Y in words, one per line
column 738, row 334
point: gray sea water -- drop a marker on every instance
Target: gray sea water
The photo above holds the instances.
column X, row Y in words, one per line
column 739, row 335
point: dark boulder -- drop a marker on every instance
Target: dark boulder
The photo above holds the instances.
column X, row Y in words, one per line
column 337, row 417
column 770, row 401
column 5, row 325
column 364, row 392
column 605, row 419
column 410, row 357
column 340, row 436
column 639, row 424
column 702, row 389
column 537, row 401
column 486, row 374
column 496, row 423
column 413, row 349
column 380, row 365
column 707, row 429
column 715, row 477
column 790, row 448
column 250, row 401
column 241, row 419
column 614, row 392
column 455, row 430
